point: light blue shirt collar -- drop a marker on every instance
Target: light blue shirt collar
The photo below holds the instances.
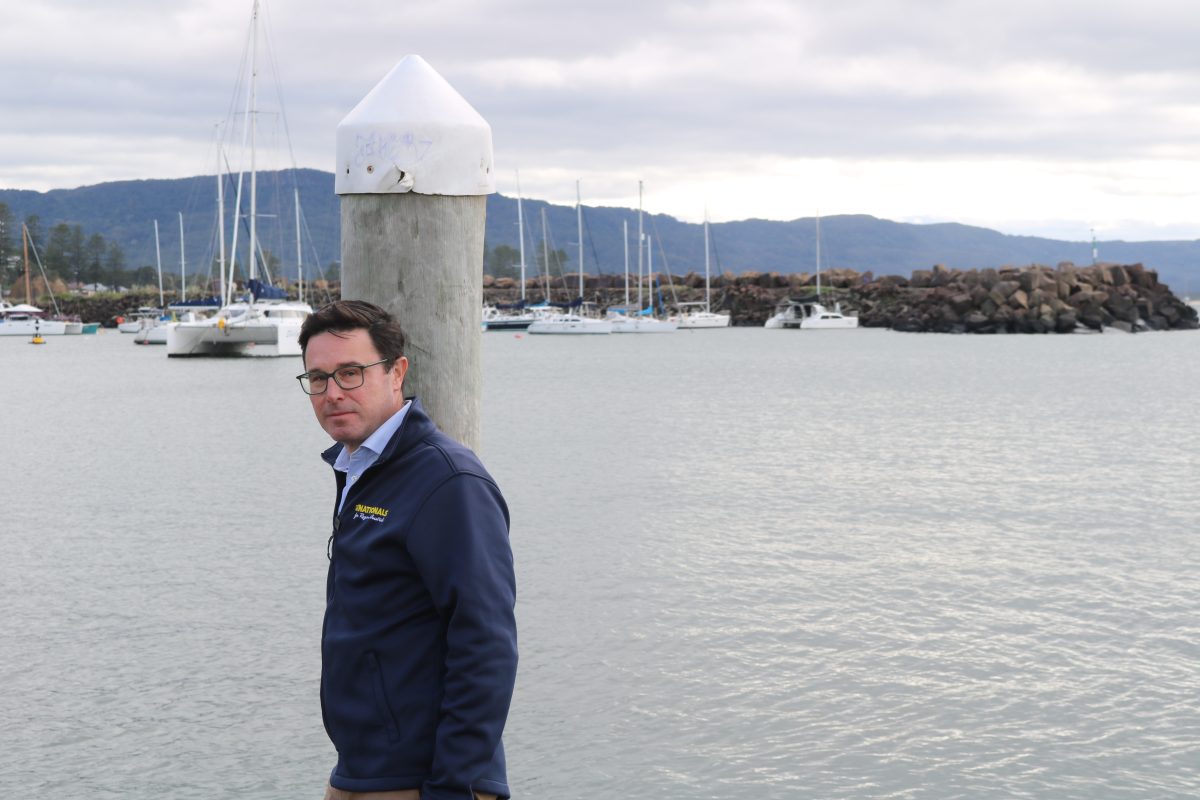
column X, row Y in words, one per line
column 366, row 454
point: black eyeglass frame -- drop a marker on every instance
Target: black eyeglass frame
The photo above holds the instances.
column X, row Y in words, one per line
column 362, row 374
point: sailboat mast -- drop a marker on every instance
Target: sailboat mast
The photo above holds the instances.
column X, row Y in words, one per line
column 625, row 239
column 521, row 234
column 221, row 225
column 546, row 255
column 299, row 252
column 579, row 224
column 253, row 132
column 182, row 263
column 707, row 288
column 641, row 239
column 25, row 245
column 162, row 303
column 649, row 273
column 818, row 256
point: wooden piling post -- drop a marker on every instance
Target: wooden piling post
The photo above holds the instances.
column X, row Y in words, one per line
column 414, row 168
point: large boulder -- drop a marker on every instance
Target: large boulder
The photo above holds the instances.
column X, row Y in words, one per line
column 941, row 276
column 1029, row 280
column 1092, row 317
column 1080, row 298
column 976, row 321
column 961, row 303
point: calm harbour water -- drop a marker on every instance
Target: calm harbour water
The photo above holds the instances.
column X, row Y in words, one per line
column 751, row 564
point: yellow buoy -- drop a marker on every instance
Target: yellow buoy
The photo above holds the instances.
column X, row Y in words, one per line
column 37, row 340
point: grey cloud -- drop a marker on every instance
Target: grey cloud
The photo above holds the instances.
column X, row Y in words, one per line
column 691, row 82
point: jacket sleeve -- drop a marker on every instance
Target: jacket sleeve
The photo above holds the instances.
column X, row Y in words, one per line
column 459, row 542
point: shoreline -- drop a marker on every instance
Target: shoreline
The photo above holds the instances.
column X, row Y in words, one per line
column 1030, row 299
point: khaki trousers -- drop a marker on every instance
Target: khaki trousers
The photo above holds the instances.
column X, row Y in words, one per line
column 341, row 794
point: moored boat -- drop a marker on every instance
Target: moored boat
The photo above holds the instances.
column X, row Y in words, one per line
column 578, row 317
column 808, row 313
column 263, row 322
column 27, row 320
column 693, row 316
column 131, row 322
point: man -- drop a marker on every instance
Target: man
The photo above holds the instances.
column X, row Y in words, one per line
column 419, row 647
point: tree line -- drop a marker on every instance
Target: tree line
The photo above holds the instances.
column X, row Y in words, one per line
column 504, row 261
column 67, row 253
column 72, row 256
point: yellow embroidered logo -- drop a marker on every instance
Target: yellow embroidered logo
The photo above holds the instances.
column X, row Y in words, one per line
column 373, row 513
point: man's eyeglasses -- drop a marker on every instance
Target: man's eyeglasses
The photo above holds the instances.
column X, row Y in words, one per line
column 348, row 377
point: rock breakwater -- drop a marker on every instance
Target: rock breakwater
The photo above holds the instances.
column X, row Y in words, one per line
column 1030, row 299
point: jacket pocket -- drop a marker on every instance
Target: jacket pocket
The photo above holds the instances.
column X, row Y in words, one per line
column 382, row 707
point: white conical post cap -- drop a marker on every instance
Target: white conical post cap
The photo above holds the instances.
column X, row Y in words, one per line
column 414, row 133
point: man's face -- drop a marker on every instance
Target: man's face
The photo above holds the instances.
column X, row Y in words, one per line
column 350, row 416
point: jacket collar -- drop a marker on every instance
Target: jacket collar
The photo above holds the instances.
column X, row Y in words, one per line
column 416, row 427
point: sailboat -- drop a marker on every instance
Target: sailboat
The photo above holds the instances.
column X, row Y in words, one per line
column 704, row 317
column 26, row 319
column 573, row 322
column 808, row 313
column 152, row 329
column 501, row 318
column 262, row 321
column 642, row 320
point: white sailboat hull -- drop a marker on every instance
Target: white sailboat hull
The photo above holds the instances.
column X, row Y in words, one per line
column 832, row 323
column 704, row 319
column 494, row 320
column 30, row 327
column 258, row 335
column 570, row 324
column 809, row 317
column 153, row 334
column 643, row 325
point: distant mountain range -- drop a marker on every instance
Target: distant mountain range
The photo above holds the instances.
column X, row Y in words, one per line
column 124, row 212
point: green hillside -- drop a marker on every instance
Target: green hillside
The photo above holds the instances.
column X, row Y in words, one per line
column 124, row 212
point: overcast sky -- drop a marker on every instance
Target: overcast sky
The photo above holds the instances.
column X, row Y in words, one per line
column 1043, row 117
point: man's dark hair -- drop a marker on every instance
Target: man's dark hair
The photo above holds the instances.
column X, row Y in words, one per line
column 343, row 316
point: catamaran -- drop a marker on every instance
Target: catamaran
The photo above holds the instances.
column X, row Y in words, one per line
column 261, row 321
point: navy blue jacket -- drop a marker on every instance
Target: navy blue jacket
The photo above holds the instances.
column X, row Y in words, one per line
column 419, row 646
